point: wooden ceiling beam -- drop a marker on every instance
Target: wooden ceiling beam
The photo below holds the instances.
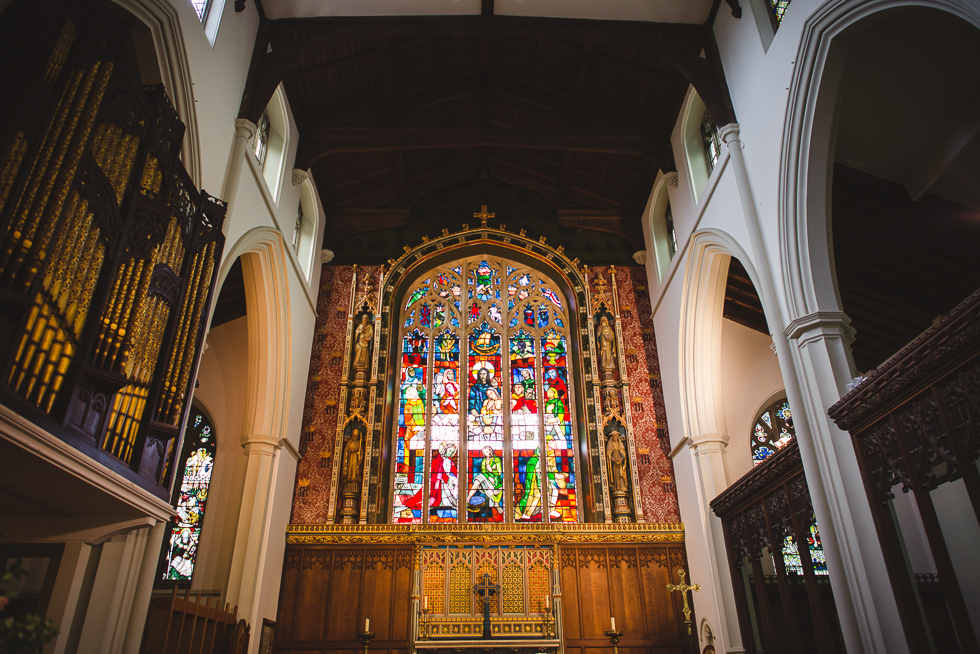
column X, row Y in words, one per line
column 677, row 45
column 324, row 141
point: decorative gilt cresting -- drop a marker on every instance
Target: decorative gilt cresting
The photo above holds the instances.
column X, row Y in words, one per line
column 683, row 587
column 107, row 251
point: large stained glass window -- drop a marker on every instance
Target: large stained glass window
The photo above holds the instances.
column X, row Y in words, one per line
column 484, row 429
column 772, row 431
column 791, row 554
column 184, row 536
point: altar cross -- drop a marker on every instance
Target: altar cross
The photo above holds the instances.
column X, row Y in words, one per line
column 486, row 590
column 483, row 215
column 684, row 587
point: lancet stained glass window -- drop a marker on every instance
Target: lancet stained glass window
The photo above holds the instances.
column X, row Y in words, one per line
column 710, row 141
column 485, row 339
column 772, row 431
column 778, row 9
column 184, row 536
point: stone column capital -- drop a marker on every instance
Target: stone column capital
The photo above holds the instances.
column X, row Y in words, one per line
column 819, row 324
column 244, row 128
column 729, row 133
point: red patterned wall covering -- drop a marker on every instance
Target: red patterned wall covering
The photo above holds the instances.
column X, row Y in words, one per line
column 646, row 398
column 321, row 410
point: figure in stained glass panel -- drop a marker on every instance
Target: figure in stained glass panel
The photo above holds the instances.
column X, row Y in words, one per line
column 525, row 444
column 410, row 440
column 180, row 552
column 560, row 459
column 485, row 437
column 444, row 436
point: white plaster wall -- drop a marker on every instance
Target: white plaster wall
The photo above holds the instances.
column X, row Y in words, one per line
column 750, row 376
column 223, row 381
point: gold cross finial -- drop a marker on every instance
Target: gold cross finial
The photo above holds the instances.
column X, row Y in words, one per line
column 483, row 215
column 684, row 587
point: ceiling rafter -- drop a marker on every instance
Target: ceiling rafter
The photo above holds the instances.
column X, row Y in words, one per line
column 326, row 140
column 271, row 67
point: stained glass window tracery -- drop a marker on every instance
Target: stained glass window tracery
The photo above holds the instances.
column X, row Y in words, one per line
column 772, row 431
column 180, row 546
column 496, row 444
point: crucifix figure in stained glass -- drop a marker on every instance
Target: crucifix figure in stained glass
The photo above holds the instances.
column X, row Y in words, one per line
column 486, row 591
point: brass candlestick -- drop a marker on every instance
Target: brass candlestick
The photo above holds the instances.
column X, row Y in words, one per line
column 613, row 636
column 549, row 613
column 424, row 623
column 366, row 637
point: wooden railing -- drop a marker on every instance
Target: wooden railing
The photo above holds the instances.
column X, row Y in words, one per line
column 777, row 611
column 180, row 625
column 108, row 253
column 915, row 425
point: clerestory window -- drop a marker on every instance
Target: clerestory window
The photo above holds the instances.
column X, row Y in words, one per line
column 484, row 429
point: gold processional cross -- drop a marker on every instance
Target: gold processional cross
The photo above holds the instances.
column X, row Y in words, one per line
column 483, row 215
column 684, row 587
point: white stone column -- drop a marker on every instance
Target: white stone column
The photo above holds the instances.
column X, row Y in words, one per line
column 67, row 591
column 144, row 588
column 251, row 539
column 813, row 382
column 710, row 453
column 110, row 605
column 866, row 605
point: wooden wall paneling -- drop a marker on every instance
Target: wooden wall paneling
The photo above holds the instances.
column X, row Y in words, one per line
column 313, row 595
column 594, row 593
column 377, row 598
column 654, row 577
column 345, row 595
column 287, row 593
column 626, row 600
column 401, row 604
column 571, row 597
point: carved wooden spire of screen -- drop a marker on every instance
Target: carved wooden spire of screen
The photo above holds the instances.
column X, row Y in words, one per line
column 484, row 429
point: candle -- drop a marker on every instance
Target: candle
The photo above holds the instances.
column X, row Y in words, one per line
column 612, row 621
column 547, row 602
column 367, row 625
column 425, row 602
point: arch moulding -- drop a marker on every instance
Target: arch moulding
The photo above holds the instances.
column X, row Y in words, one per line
column 168, row 41
column 806, row 253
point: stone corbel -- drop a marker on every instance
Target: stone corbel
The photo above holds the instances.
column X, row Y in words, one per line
column 300, row 176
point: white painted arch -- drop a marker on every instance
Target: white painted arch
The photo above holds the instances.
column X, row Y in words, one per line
column 807, row 153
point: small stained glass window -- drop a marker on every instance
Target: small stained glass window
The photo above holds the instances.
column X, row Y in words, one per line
column 772, row 431
column 671, row 234
column 201, row 7
column 184, row 534
column 710, row 140
column 298, row 228
column 261, row 140
column 791, row 554
column 778, row 10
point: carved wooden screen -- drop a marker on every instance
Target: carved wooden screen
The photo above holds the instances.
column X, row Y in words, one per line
column 107, row 251
column 484, row 372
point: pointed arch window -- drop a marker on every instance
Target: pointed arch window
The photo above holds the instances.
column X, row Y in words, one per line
column 710, row 141
column 183, row 536
column 484, row 427
column 772, row 431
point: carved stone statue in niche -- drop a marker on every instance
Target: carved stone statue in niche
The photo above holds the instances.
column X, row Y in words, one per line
column 350, row 473
column 616, row 460
column 358, row 401
column 363, row 338
column 607, row 339
column 610, row 400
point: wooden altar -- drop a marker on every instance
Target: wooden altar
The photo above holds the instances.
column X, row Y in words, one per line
column 337, row 576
